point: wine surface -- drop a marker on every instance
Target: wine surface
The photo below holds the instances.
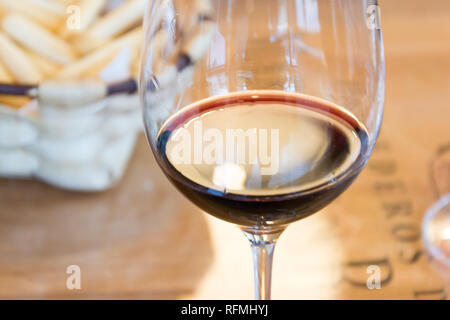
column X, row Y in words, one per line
column 262, row 158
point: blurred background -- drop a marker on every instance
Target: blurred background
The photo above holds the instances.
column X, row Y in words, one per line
column 102, row 204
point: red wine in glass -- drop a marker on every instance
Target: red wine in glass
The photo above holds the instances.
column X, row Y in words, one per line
column 297, row 154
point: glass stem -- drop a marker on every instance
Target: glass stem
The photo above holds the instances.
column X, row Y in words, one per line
column 263, row 245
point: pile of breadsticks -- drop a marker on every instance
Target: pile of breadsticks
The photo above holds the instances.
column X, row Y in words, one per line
column 67, row 129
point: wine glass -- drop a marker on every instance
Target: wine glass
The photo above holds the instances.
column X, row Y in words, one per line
column 262, row 112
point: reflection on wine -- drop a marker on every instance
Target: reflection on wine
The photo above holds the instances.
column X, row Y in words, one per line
column 262, row 158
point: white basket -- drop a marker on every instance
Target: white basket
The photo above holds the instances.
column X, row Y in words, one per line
column 84, row 152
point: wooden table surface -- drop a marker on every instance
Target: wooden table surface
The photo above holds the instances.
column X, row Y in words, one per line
column 143, row 240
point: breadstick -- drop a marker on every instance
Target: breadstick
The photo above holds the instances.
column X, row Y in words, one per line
column 159, row 45
column 47, row 68
column 5, row 76
column 3, row 11
column 32, row 10
column 197, row 44
column 90, row 10
column 113, row 24
column 15, row 102
column 77, row 69
column 51, row 6
column 17, row 62
column 135, row 67
column 37, row 39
